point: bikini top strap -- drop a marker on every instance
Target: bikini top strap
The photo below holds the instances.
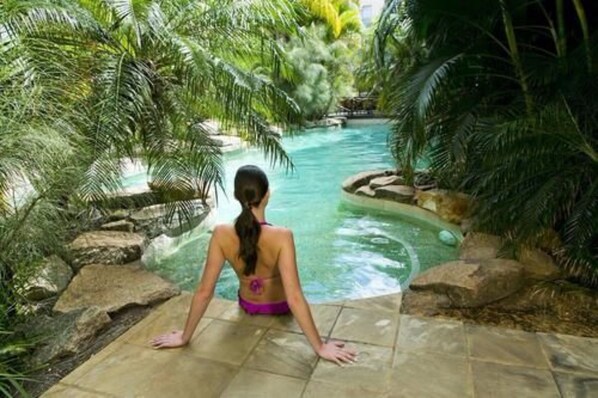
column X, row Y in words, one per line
column 265, row 223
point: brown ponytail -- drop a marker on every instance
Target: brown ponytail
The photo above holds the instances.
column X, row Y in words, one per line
column 251, row 185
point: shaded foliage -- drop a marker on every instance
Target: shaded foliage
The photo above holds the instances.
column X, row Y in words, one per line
column 501, row 96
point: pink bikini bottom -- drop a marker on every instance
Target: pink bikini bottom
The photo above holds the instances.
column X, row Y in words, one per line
column 280, row 308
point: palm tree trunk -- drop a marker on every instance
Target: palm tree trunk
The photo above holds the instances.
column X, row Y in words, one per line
column 514, row 53
column 581, row 14
column 561, row 34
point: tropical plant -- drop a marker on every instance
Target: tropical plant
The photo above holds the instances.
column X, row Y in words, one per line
column 107, row 80
column 500, row 95
column 11, row 376
column 340, row 16
column 142, row 73
column 85, row 84
column 321, row 70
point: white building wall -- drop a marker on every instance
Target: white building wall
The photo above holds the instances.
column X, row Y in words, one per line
column 370, row 10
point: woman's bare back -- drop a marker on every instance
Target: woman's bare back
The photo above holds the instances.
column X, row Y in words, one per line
column 265, row 286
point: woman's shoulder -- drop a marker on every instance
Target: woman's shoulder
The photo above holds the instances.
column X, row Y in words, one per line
column 277, row 235
column 222, row 230
column 228, row 229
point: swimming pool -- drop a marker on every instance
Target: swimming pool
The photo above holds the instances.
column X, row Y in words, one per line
column 342, row 251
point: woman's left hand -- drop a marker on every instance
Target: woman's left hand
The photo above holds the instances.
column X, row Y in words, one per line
column 173, row 339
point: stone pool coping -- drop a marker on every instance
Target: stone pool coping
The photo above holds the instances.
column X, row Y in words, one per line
column 412, row 213
column 233, row 354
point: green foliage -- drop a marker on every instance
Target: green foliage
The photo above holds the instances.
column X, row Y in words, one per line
column 85, row 84
column 11, row 377
column 321, row 55
column 321, row 70
column 501, row 96
column 340, row 16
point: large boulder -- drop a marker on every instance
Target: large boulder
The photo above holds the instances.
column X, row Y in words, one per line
column 450, row 206
column 118, row 215
column 396, row 193
column 424, row 181
column 131, row 198
column 229, row 143
column 386, row 180
column 355, row 181
column 423, row 303
column 112, row 288
column 51, row 278
column 365, row 191
column 106, row 247
column 177, row 192
column 472, row 284
column 157, row 220
column 480, row 246
column 64, row 334
column 325, row 122
column 538, row 265
column 120, row 225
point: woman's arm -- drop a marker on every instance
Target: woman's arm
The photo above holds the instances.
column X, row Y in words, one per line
column 287, row 263
column 201, row 298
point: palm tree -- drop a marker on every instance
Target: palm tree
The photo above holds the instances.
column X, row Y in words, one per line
column 84, row 84
column 499, row 94
column 141, row 74
column 341, row 16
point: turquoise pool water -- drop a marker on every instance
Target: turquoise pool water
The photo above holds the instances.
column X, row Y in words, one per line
column 342, row 251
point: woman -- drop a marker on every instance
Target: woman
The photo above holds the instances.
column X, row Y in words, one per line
column 263, row 257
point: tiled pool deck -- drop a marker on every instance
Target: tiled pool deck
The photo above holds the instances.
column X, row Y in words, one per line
column 233, row 354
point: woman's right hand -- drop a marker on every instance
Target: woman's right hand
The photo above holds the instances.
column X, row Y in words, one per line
column 335, row 351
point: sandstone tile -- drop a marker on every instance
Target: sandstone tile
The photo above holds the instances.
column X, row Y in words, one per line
column 137, row 372
column 139, row 326
column 497, row 381
column 576, row 385
column 432, row 335
column 226, row 342
column 373, row 327
column 183, row 300
column 339, row 303
column 253, row 383
column 421, row 374
column 92, row 362
column 324, row 317
column 283, row 353
column 66, row 391
column 371, row 371
column 571, row 353
column 505, row 346
column 389, row 302
column 164, row 323
column 237, row 314
column 320, row 389
column 175, row 303
column 215, row 309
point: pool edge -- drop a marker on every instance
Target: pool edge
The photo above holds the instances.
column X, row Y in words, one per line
column 410, row 212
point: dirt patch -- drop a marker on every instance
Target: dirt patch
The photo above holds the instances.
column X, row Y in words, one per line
column 577, row 323
column 548, row 307
column 121, row 322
